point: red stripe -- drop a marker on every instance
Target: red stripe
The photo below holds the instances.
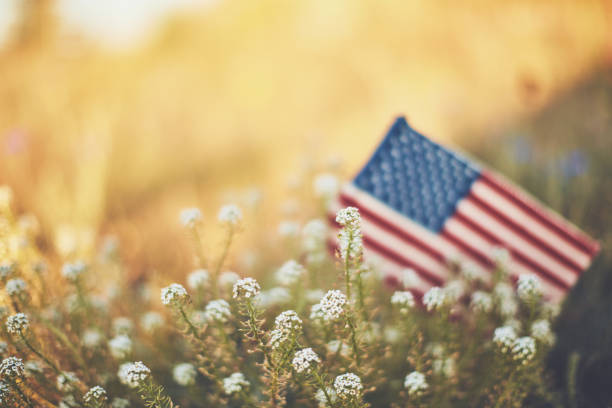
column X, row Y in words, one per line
column 578, row 240
column 522, row 258
column 389, row 253
column 389, row 227
column 528, row 236
column 472, row 252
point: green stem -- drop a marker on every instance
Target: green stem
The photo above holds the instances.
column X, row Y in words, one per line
column 323, row 387
column 21, row 394
column 192, row 329
column 347, row 269
column 354, row 344
column 45, row 359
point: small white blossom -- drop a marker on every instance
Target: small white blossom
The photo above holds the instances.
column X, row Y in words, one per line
column 217, row 311
column 175, row 295
column 455, row 290
column 524, row 349
column 287, row 326
column 228, row 278
column 403, row 299
column 72, row 271
column 7, row 268
column 348, row 386
column 235, row 383
column 338, row 347
column 288, row 229
column 151, row 321
column 17, row 323
column 289, row 273
column 95, row 395
column 120, row 346
column 481, row 302
column 392, row 335
column 472, row 273
column 503, row 291
column 416, row 384
column 445, row 367
column 66, row 382
column 198, row 279
column 133, row 374
column 326, row 185
column 274, row 296
column 120, row 403
column 33, row 367
column 349, row 217
column 12, row 367
column 122, row 325
column 314, row 234
column 508, row 307
column 540, row 330
column 409, row 278
column 230, row 214
column 246, row 288
column 435, row 298
column 501, row 256
column 184, row 374
column 322, row 399
column 5, row 391
column 15, row 287
column 92, row 338
column 504, row 337
column 514, row 323
column 529, row 287
column 190, row 217
column 332, row 304
column 314, row 295
column 304, row 360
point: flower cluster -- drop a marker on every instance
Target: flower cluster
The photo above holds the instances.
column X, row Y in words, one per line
column 134, row 374
column 230, row 214
column 348, row 386
column 304, row 360
column 12, row 367
column 17, row 323
column 331, row 306
column 289, row 273
column 287, row 326
column 174, row 295
column 415, row 383
column 403, row 299
column 198, row 279
column 15, row 287
column 184, row 374
column 73, row 271
column 528, row 287
column 120, row 346
column 235, row 383
column 217, row 311
column 504, row 337
column 96, row 395
column 246, row 288
column 190, row 217
column 481, row 301
column 524, row 349
column 435, row 298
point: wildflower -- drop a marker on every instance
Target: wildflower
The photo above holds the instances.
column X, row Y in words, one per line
column 246, row 288
column 228, row 278
column 122, row 325
column 198, row 317
column 190, row 217
column 503, row 291
column 540, row 330
column 3, row 347
column 120, row 403
column 332, row 305
column 198, row 279
column 96, row 395
column 12, row 367
column 481, row 302
column 444, row 366
column 416, row 384
column 348, row 386
column 290, row 273
column 274, row 296
column 322, row 399
column 501, row 256
column 326, row 185
column 134, row 374
column 151, row 321
column 5, row 391
column 184, row 374
column 403, row 299
column 120, row 346
column 524, row 349
column 338, row 346
column 288, row 229
column 350, row 237
column 73, row 271
column 504, row 337
column 33, row 367
column 287, row 326
column 17, row 323
column 514, row 323
column 235, row 383
column 472, row 273
column 66, row 381
column 408, row 278
column 314, row 234
column 435, row 298
column 7, row 268
column 217, row 311
column 392, row 335
column 174, row 295
column 304, row 360
column 15, row 287
column 230, row 215
column 92, row 338
column 455, row 289
column 508, row 307
column 528, row 287
column 314, row 295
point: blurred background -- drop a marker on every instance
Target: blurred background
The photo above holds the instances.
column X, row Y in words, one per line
column 115, row 114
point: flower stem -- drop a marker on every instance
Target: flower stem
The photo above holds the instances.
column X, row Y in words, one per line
column 39, row 354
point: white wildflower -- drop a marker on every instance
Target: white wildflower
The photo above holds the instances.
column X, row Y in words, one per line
column 235, row 383
column 133, row 374
column 198, row 279
column 190, row 217
column 95, row 395
column 274, row 296
column 17, row 323
column 120, row 403
column 332, row 304
column 455, row 290
column 15, row 287
column 33, row 367
column 503, row 291
column 314, row 295
column 120, row 347
column 416, row 384
column 435, row 298
column 403, row 299
column 514, row 323
column 73, row 271
column 529, row 287
column 228, row 278
column 524, row 349
column 444, row 366
column 508, row 307
column 501, row 257
column 504, row 337
column 348, row 386
column 230, row 214
column 481, row 302
column 92, row 338
column 66, row 382
column 151, row 321
column 288, row 229
column 175, row 295
column 5, row 391
column 217, row 311
column 304, row 360
column 326, row 185
column 472, row 273
column 7, row 269
column 338, row 347
column 287, row 326
column 12, row 367
column 289, row 273
column 122, row 325
column 184, row 374
column 392, row 334
column 408, row 278
column 351, row 245
column 314, row 234
column 246, row 288
column 540, row 330
column 322, row 399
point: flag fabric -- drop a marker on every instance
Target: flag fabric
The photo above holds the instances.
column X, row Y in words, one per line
column 423, row 205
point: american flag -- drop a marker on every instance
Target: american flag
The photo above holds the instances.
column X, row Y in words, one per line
column 423, row 205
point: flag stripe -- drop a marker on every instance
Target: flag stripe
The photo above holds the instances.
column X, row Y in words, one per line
column 563, row 229
column 533, row 240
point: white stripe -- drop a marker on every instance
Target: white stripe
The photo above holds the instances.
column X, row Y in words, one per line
column 514, row 241
column 481, row 190
column 474, row 240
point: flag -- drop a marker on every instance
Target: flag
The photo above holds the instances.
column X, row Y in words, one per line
column 423, row 205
